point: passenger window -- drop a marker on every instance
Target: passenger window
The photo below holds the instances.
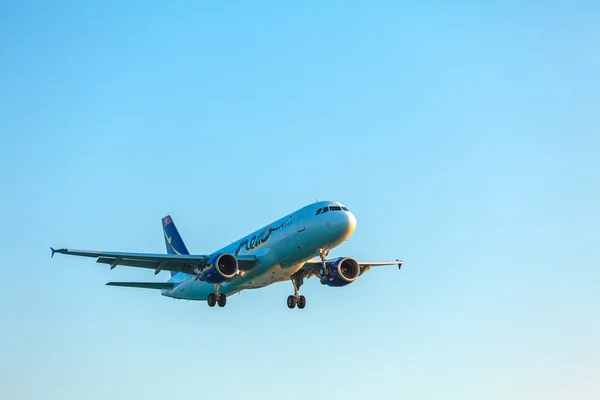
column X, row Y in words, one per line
column 335, row 208
column 318, row 212
column 325, row 209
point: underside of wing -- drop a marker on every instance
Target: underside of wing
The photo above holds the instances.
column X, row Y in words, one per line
column 246, row 262
column 188, row 264
column 312, row 266
column 157, row 262
column 143, row 285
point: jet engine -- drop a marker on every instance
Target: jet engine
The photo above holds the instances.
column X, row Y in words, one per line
column 342, row 272
column 219, row 268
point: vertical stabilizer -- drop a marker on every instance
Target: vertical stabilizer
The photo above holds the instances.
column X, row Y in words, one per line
column 173, row 239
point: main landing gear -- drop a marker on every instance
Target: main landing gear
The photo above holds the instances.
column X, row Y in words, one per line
column 296, row 299
column 216, row 298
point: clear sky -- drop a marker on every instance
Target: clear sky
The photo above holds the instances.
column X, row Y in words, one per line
column 464, row 137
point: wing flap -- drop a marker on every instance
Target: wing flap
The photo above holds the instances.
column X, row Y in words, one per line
column 156, row 265
column 129, row 262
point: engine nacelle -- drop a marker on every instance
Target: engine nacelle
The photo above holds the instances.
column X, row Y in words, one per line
column 343, row 271
column 219, row 268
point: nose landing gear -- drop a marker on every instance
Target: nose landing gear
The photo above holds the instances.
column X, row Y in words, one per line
column 324, row 271
column 296, row 299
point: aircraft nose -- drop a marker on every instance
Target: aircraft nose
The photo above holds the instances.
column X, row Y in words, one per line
column 348, row 223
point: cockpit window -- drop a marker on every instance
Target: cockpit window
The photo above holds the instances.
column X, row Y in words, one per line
column 318, row 211
column 325, row 209
column 345, row 208
column 335, row 208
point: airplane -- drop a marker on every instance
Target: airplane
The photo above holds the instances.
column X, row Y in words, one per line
column 294, row 248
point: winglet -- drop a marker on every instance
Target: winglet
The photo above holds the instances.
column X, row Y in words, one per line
column 60, row 251
column 400, row 262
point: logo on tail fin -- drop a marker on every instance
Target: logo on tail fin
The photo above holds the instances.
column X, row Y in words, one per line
column 173, row 240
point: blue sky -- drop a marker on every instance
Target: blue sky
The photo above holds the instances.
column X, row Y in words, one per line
column 463, row 137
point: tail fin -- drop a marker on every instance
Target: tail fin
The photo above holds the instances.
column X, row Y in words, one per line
column 173, row 239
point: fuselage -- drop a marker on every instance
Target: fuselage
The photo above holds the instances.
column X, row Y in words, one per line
column 281, row 249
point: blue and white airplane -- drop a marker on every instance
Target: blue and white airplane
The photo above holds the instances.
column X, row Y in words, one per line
column 293, row 248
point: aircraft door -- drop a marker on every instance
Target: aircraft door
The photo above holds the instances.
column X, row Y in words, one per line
column 300, row 223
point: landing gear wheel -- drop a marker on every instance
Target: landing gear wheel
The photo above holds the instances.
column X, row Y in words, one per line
column 291, row 301
column 212, row 299
column 222, row 300
column 301, row 302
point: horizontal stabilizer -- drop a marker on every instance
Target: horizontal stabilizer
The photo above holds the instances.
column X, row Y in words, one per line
column 143, row 285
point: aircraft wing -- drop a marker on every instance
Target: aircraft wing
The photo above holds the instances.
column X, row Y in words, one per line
column 157, row 262
column 312, row 266
column 144, row 285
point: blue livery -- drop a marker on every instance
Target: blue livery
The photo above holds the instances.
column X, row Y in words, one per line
column 293, row 248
